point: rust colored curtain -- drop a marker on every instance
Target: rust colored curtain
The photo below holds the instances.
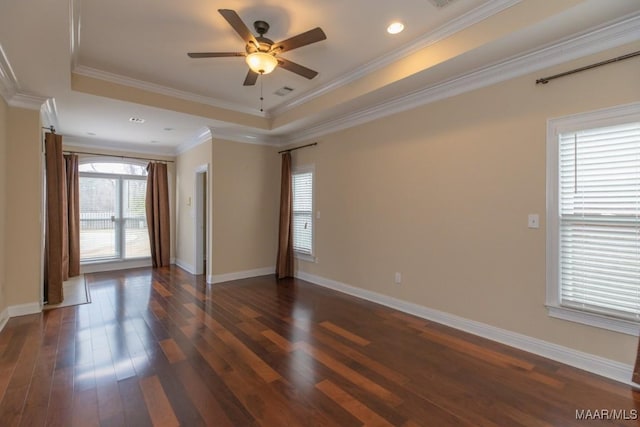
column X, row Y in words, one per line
column 284, row 263
column 636, row 369
column 62, row 239
column 72, row 266
column 157, row 209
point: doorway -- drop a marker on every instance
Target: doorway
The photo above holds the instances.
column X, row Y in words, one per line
column 201, row 219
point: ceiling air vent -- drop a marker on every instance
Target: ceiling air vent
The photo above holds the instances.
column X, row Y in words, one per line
column 284, row 91
column 136, row 120
column 440, row 3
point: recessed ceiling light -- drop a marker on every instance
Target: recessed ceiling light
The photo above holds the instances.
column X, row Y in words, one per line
column 136, row 120
column 395, row 28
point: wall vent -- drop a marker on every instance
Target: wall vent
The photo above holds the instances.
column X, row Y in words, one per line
column 284, row 91
column 440, row 3
column 136, row 120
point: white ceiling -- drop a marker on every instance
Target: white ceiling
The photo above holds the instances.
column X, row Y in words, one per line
column 143, row 45
column 148, row 40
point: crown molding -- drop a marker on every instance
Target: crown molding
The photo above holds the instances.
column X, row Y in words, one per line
column 49, row 113
column 74, row 31
column 10, row 88
column 238, row 135
column 454, row 26
column 8, row 81
column 162, row 90
column 204, row 135
column 29, row 102
column 125, row 147
column 587, row 43
column 235, row 135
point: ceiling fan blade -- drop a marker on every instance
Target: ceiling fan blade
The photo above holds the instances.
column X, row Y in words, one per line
column 234, row 20
column 300, row 40
column 297, row 68
column 214, row 54
column 251, row 79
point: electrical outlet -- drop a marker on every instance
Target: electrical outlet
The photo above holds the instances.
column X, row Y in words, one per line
column 398, row 278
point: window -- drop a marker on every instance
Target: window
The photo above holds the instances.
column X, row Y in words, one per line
column 113, row 224
column 594, row 230
column 302, row 182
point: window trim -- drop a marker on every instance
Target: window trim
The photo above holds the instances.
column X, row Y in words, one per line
column 306, row 169
column 110, row 159
column 556, row 126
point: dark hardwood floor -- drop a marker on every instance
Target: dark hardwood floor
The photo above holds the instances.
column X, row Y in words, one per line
column 163, row 348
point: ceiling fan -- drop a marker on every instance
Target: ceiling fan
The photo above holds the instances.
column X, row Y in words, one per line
column 262, row 53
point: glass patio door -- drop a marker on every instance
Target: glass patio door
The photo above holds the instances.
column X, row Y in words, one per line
column 113, row 224
column 135, row 236
column 99, row 218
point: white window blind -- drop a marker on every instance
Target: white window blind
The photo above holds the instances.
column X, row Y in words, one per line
column 599, row 210
column 303, row 212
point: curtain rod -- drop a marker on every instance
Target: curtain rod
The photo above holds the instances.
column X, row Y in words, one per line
column 545, row 80
column 118, row 157
column 297, row 148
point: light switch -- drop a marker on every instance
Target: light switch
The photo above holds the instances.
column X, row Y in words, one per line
column 534, row 221
column 318, row 215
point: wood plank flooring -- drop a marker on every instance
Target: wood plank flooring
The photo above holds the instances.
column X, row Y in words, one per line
column 162, row 348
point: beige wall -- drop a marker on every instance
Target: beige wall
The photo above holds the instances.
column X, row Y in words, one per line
column 245, row 206
column 171, row 176
column 23, row 231
column 441, row 194
column 3, row 202
column 186, row 165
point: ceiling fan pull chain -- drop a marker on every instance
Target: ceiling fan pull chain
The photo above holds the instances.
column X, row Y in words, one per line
column 261, row 97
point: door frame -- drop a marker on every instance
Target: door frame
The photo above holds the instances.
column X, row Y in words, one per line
column 202, row 250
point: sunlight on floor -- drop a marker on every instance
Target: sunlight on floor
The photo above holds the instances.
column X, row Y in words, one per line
column 75, row 293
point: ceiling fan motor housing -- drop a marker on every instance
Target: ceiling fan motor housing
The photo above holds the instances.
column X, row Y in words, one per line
column 261, row 27
column 264, row 44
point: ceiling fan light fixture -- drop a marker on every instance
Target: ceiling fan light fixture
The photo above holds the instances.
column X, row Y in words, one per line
column 261, row 62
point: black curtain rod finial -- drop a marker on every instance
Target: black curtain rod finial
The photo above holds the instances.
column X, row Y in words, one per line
column 50, row 129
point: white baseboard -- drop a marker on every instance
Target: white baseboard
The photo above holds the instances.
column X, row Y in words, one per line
column 185, row 266
column 24, row 309
column 97, row 267
column 595, row 364
column 219, row 278
column 4, row 317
